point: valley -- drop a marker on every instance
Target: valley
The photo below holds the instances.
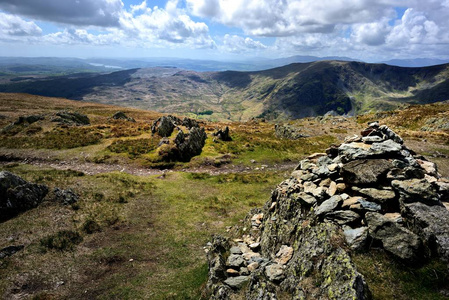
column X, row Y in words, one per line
column 289, row 92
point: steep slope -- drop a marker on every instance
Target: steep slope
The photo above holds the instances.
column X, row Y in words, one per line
column 289, row 92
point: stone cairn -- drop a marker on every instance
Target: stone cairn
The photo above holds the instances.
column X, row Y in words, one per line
column 371, row 191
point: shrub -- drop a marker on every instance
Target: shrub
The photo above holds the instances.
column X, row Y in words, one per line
column 62, row 240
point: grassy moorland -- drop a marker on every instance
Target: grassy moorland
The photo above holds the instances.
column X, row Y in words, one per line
column 138, row 232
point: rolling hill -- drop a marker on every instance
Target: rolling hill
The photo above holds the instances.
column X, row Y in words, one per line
column 289, row 92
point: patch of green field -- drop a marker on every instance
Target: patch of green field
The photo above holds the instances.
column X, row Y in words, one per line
column 388, row 279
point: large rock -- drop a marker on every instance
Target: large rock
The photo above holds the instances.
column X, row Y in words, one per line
column 122, row 116
column 417, row 190
column 356, row 150
column 71, row 118
column 365, row 172
column 17, row 195
column 287, row 131
column 223, row 134
column 377, row 195
column 431, row 223
column 192, row 144
column 164, row 126
column 395, row 239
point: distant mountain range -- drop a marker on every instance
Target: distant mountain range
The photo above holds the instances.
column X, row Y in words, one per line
column 288, row 92
column 63, row 66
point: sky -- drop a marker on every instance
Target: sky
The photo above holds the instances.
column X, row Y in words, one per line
column 367, row 30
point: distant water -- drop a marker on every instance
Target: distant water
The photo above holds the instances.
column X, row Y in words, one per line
column 106, row 66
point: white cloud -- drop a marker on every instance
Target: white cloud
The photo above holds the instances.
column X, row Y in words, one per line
column 416, row 28
column 289, row 17
column 14, row 27
column 238, row 44
column 372, row 34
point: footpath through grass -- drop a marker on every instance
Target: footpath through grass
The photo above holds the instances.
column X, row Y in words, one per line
column 135, row 237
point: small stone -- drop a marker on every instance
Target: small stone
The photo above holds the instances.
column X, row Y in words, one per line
column 429, row 167
column 273, row 206
column 250, row 255
column 309, row 187
column 333, row 167
column 328, row 205
column 369, row 206
column 325, row 182
column 244, row 271
column 356, row 238
column 333, row 187
column 232, row 272
column 342, row 217
column 237, row 282
column 430, row 179
column 341, row 187
column 254, row 246
column 244, row 247
column 376, row 195
column 284, row 255
column 395, row 217
column 372, row 139
column 235, row 250
column 235, row 261
column 306, row 198
column 253, row 161
column 350, row 201
column 275, row 272
column 253, row 266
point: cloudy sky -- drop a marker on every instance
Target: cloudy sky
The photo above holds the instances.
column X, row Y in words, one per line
column 370, row 30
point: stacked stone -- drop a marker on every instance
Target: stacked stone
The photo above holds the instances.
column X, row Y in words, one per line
column 369, row 191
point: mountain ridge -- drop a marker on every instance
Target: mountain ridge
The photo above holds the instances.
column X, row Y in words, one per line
column 289, row 92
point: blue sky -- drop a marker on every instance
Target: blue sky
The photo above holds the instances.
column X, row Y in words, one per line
column 225, row 29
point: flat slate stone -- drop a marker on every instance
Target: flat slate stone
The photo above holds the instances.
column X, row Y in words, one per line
column 237, row 282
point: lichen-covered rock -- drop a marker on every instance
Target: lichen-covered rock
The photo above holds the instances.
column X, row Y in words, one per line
column 18, row 195
column 122, row 116
column 286, row 131
column 223, row 134
column 365, row 172
column 164, row 126
column 66, row 197
column 395, row 239
column 71, row 118
column 192, row 144
column 430, row 222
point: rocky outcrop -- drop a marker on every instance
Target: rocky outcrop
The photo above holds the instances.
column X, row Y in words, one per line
column 22, row 121
column 191, row 144
column 65, row 197
column 369, row 191
column 71, row 118
column 222, row 134
column 165, row 125
column 185, row 145
column 122, row 116
column 18, row 195
column 286, row 131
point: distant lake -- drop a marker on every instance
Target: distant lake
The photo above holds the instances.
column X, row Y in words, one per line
column 106, row 66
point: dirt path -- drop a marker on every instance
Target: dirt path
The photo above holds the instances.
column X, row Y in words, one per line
column 94, row 168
